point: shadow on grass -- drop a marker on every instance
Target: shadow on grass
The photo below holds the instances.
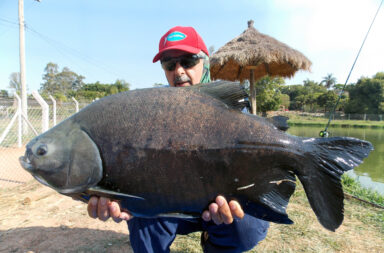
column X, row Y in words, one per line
column 62, row 239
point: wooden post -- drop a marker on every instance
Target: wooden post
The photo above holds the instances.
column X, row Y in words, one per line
column 252, row 90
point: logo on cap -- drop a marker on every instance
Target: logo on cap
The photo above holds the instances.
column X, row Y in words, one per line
column 175, row 36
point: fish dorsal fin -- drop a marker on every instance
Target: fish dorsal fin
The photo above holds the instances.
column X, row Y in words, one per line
column 281, row 122
column 230, row 93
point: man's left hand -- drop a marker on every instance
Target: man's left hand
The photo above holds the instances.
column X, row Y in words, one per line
column 223, row 212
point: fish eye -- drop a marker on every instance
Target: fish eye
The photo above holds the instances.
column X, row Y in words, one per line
column 42, row 150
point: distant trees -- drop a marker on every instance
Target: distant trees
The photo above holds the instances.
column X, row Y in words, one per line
column 367, row 95
column 364, row 97
column 14, row 82
column 98, row 90
column 327, row 100
column 60, row 82
column 4, row 94
column 66, row 83
column 304, row 97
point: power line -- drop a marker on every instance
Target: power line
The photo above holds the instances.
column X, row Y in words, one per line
column 8, row 24
column 64, row 49
column 9, row 21
column 324, row 133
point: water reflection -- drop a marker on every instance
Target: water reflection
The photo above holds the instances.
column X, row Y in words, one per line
column 371, row 172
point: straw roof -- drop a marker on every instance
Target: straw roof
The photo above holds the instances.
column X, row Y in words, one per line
column 254, row 50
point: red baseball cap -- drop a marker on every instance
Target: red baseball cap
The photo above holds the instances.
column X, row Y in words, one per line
column 181, row 38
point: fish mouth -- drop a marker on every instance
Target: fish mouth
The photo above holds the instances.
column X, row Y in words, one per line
column 26, row 163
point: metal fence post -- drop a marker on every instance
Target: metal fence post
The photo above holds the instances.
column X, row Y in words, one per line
column 53, row 110
column 19, row 127
column 76, row 103
column 45, row 111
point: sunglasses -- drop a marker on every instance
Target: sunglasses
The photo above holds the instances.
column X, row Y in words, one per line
column 186, row 61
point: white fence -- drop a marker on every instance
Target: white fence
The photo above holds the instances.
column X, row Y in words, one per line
column 16, row 130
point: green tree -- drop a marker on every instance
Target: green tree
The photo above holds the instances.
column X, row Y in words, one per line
column 99, row 90
column 304, row 97
column 60, row 82
column 285, row 100
column 327, row 100
column 4, row 94
column 293, row 91
column 113, row 90
column 268, row 95
column 121, row 85
column 14, row 82
column 329, row 81
column 367, row 95
column 50, row 85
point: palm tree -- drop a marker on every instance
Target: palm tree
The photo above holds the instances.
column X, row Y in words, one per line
column 329, row 81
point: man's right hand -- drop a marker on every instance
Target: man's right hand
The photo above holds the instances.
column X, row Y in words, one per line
column 104, row 208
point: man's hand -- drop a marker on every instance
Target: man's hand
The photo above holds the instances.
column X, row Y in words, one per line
column 104, row 208
column 222, row 212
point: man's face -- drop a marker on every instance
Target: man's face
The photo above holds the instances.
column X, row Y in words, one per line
column 182, row 76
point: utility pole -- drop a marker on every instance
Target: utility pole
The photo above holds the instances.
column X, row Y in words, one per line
column 24, row 104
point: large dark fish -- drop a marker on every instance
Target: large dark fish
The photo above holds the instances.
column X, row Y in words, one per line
column 168, row 151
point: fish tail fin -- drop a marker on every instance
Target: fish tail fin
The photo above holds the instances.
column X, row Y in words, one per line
column 321, row 174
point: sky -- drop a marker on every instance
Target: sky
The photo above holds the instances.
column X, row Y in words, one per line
column 109, row 40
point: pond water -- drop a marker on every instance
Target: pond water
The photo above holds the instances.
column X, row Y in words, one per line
column 371, row 172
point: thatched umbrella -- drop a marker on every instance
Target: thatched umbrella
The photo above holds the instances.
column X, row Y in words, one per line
column 252, row 55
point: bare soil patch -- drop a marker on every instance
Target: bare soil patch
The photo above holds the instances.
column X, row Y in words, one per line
column 37, row 219
column 11, row 172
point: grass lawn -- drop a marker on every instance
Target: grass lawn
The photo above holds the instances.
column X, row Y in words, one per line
column 320, row 121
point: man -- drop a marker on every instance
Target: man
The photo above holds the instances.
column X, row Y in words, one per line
column 184, row 59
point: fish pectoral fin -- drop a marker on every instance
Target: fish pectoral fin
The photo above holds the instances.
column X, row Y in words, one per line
column 99, row 191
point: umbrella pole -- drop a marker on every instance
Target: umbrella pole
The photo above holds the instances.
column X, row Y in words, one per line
column 252, row 91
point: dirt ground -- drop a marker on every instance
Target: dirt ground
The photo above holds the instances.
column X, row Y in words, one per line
column 34, row 218
column 11, row 173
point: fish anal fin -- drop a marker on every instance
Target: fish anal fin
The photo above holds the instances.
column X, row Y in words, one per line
column 271, row 196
